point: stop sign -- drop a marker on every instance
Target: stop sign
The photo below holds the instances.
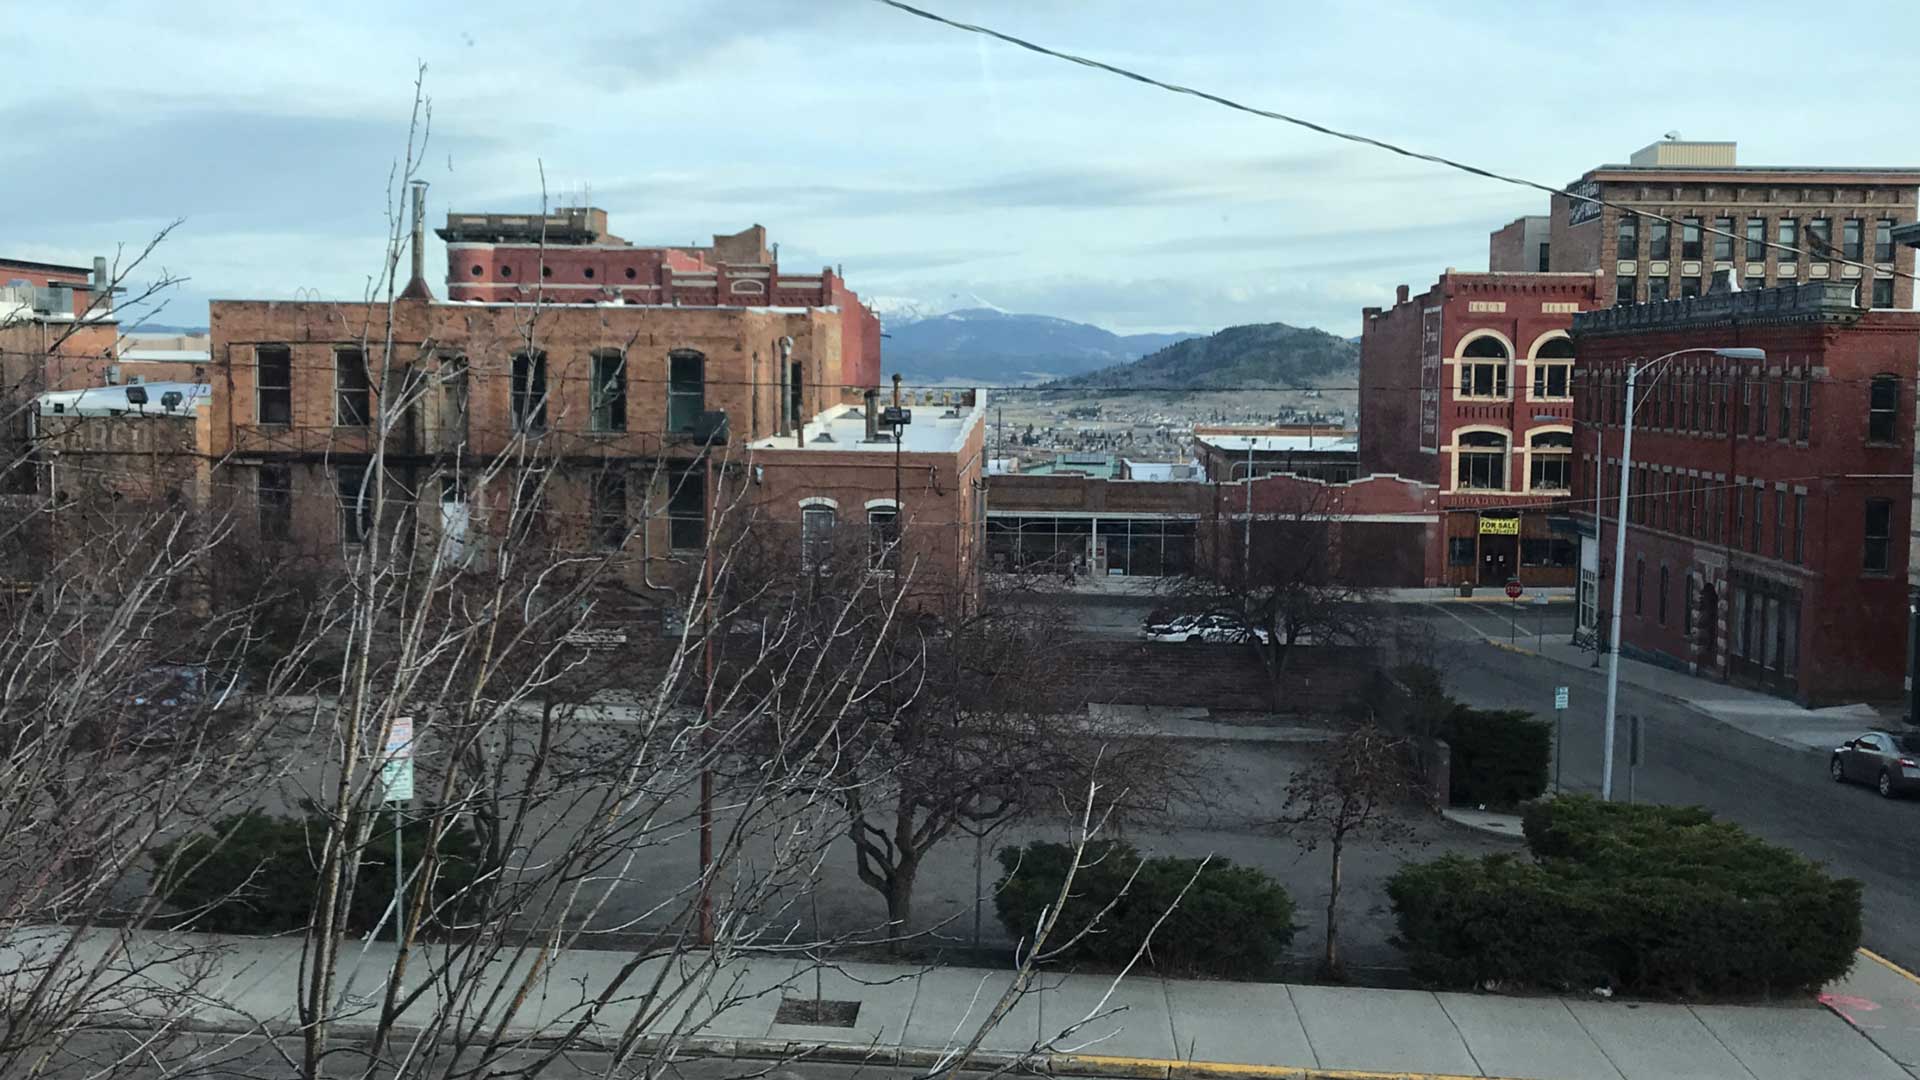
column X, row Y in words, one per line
column 1513, row 590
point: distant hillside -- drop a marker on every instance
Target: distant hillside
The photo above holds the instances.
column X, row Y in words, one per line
column 1261, row 354
column 987, row 345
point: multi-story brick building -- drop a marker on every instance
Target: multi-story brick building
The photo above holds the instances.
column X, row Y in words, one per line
column 1521, row 246
column 1767, row 225
column 614, row 424
column 1469, row 386
column 1769, row 499
column 568, row 256
column 57, row 324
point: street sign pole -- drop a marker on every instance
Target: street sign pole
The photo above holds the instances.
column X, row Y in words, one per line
column 396, row 777
column 1559, row 733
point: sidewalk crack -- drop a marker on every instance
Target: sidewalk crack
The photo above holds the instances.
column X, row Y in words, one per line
column 1304, row 1033
column 1464, row 1044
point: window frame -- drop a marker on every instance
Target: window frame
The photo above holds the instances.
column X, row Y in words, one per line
column 607, row 391
column 345, row 393
column 686, row 528
column 883, row 538
column 1541, row 453
column 1883, row 417
column 816, row 538
column 1723, row 239
column 1876, row 549
column 612, row 519
column 1883, row 250
column 528, row 391
column 355, row 511
column 273, row 502
column 1472, row 459
column 1756, row 240
column 283, row 391
column 1880, row 294
column 1543, row 374
column 1853, row 239
column 1787, row 235
column 1659, row 240
column 1690, row 239
column 686, row 389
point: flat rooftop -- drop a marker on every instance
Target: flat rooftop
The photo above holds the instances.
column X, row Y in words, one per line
column 936, row 428
column 1269, row 444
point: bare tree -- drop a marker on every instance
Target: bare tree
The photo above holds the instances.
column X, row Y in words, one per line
column 1362, row 785
column 1281, row 575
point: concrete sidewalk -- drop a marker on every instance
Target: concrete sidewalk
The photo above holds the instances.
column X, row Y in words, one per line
column 1144, row 1026
column 1772, row 718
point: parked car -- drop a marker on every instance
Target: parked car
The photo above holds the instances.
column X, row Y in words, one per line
column 1888, row 761
column 1215, row 627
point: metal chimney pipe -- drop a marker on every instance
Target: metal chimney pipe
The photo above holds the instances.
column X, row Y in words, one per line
column 101, row 283
column 419, row 230
column 873, row 415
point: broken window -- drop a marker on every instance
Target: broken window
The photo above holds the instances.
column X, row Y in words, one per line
column 529, row 392
column 1483, row 369
column 273, row 384
column 352, row 395
column 609, row 390
column 817, row 525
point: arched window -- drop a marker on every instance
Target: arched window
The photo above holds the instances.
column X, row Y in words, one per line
column 817, row 524
column 883, row 536
column 1883, row 409
column 1483, row 369
column 1553, row 369
column 1551, row 461
column 1482, row 462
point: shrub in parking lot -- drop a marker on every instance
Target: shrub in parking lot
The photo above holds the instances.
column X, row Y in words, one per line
column 1655, row 901
column 256, row 873
column 1500, row 757
column 1233, row 920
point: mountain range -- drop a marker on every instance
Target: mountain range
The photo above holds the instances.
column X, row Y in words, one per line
column 985, row 345
column 1258, row 354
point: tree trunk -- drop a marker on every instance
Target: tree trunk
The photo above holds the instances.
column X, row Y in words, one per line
column 1331, row 963
column 900, row 902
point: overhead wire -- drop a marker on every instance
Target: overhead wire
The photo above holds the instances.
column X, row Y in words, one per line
column 1324, row 129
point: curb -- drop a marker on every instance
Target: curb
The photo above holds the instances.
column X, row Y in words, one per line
column 1889, row 965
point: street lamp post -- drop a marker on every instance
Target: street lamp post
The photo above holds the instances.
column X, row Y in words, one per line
column 1620, row 541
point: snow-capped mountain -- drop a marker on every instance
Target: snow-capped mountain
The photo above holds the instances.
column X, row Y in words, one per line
column 897, row 311
column 988, row 345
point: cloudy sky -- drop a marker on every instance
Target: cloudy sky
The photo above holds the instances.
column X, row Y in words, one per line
column 925, row 161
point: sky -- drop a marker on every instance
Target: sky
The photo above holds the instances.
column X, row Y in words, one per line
column 926, row 162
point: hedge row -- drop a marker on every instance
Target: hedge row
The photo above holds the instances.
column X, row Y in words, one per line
column 1233, row 921
column 258, row 874
column 1652, row 901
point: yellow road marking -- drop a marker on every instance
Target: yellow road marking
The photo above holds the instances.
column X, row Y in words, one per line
column 1890, row 965
column 1136, row 1065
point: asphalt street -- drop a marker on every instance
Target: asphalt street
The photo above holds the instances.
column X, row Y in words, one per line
column 1776, row 792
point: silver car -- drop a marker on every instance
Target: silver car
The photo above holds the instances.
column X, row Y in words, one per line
column 1888, row 761
column 1214, row 627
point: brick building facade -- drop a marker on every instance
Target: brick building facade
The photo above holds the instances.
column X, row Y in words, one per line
column 1469, row 387
column 1385, row 531
column 569, row 256
column 1770, row 499
column 1743, row 219
column 57, row 328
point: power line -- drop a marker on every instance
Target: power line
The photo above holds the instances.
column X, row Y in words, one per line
column 1322, row 129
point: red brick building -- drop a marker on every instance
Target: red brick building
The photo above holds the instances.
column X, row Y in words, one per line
column 568, row 256
column 1469, row 387
column 1770, row 499
column 611, row 424
column 57, row 327
column 1385, row 531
